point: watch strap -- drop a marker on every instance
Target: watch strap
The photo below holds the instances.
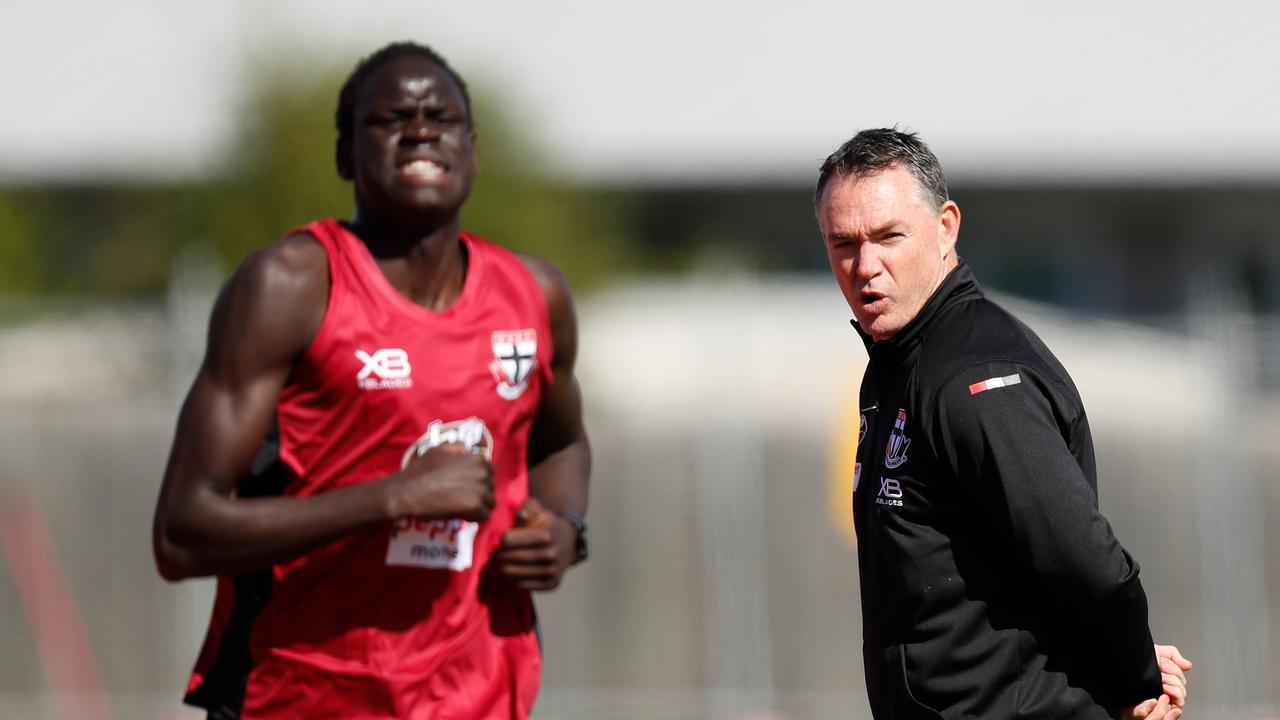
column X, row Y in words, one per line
column 580, row 534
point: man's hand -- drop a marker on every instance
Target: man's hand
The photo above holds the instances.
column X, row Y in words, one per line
column 538, row 550
column 444, row 482
column 1173, row 675
column 1153, row 709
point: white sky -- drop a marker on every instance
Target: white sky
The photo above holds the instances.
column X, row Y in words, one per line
column 682, row 91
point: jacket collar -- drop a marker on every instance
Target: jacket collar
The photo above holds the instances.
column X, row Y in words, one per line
column 957, row 286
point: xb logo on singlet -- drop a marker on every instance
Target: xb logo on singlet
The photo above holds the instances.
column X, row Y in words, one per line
column 385, row 369
column 514, row 358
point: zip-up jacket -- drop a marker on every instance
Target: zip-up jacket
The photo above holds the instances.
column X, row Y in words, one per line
column 992, row 587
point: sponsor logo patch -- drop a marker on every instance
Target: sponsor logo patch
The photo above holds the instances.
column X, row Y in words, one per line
column 447, row 544
column 470, row 433
column 385, row 369
column 890, row 493
column 419, row 542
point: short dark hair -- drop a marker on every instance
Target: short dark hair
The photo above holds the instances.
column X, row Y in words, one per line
column 344, row 118
column 871, row 151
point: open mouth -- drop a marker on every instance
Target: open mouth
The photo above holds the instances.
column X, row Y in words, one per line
column 872, row 303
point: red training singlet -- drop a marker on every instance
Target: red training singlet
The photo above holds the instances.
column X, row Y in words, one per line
column 406, row 621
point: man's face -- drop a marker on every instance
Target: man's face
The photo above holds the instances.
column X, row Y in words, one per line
column 889, row 249
column 412, row 149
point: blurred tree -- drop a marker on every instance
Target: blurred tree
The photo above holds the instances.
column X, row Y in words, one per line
column 21, row 262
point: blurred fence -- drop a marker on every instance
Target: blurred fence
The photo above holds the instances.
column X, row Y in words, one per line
column 722, row 582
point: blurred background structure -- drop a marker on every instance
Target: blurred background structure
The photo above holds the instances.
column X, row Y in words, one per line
column 1118, row 168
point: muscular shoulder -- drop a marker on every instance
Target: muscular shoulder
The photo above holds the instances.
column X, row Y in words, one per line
column 295, row 265
column 549, row 276
column 555, row 288
column 275, row 299
column 560, row 310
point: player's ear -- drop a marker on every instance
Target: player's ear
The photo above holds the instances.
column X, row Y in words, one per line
column 948, row 227
column 342, row 156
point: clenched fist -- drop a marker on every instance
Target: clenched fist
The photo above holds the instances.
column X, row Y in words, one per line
column 538, row 550
column 444, row 482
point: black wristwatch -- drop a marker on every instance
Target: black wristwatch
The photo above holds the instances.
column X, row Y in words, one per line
column 580, row 531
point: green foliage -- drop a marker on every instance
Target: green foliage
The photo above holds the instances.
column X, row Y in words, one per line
column 282, row 175
column 21, row 271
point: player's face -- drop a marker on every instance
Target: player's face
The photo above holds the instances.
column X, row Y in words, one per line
column 413, row 149
column 889, row 249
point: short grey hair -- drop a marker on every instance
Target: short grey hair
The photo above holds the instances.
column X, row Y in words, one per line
column 871, row 151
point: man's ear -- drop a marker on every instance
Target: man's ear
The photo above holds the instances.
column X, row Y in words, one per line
column 342, row 156
column 948, row 228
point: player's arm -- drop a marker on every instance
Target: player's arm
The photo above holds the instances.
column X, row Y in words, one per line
column 262, row 322
column 1007, row 447
column 543, row 544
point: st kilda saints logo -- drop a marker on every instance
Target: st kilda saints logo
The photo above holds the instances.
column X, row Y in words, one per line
column 514, row 359
column 895, row 451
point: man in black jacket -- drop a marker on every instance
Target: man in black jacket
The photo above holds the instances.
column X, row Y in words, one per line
column 992, row 587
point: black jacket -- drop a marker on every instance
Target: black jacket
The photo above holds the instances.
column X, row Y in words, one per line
column 991, row 585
